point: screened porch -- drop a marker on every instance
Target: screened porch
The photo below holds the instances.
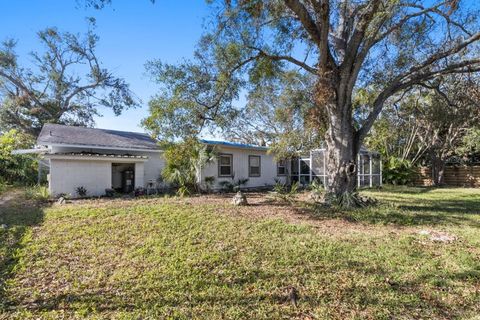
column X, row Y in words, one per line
column 308, row 168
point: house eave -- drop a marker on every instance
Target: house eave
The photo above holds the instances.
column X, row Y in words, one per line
column 91, row 146
column 97, row 157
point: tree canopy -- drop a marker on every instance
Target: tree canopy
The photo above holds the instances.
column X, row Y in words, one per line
column 67, row 84
column 384, row 47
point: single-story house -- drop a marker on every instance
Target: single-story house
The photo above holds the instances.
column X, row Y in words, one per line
column 99, row 159
column 237, row 161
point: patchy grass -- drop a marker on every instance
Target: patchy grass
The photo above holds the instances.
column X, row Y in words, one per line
column 37, row 192
column 201, row 258
column 17, row 217
column 3, row 187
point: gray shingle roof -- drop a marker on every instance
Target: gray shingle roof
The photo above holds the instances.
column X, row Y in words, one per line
column 81, row 136
column 233, row 144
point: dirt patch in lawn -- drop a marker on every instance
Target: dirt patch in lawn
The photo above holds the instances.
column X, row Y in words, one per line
column 8, row 197
column 261, row 206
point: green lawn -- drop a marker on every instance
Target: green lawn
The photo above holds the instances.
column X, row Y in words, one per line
column 201, row 258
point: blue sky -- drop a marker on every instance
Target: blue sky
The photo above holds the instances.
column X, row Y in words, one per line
column 131, row 33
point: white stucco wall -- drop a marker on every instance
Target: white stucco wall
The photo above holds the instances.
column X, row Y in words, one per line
column 151, row 168
column 96, row 176
column 240, row 168
column 139, row 174
column 67, row 175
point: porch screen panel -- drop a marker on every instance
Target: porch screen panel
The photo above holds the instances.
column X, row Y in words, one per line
column 304, row 176
column 318, row 165
column 369, row 170
column 294, row 169
column 376, row 170
column 364, row 170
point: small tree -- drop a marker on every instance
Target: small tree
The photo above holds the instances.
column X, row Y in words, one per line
column 471, row 142
column 184, row 162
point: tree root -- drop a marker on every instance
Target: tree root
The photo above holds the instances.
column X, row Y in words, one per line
column 349, row 200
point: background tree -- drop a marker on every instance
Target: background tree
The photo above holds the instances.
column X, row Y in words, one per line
column 280, row 112
column 433, row 122
column 16, row 168
column 395, row 135
column 446, row 115
column 66, row 85
column 471, row 144
column 388, row 46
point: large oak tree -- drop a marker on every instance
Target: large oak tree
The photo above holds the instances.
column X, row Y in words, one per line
column 65, row 84
column 387, row 46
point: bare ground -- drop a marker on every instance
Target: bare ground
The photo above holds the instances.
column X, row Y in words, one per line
column 261, row 206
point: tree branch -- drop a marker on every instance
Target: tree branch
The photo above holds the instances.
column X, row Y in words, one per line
column 290, row 59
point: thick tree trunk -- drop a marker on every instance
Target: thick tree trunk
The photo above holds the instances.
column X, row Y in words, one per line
column 340, row 138
column 438, row 170
column 342, row 153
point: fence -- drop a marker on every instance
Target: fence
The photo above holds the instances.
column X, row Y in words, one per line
column 455, row 176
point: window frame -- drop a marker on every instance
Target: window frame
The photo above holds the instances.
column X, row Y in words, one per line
column 220, row 165
column 284, row 168
column 259, row 166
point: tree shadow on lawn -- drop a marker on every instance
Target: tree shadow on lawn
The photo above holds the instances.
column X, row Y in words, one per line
column 417, row 212
column 155, row 296
column 421, row 296
column 401, row 189
column 17, row 215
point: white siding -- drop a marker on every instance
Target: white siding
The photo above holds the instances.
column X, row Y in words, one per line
column 151, row 169
column 67, row 175
column 139, row 174
column 153, row 166
column 240, row 168
column 96, row 176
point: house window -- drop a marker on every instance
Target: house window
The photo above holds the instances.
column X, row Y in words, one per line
column 254, row 166
column 281, row 167
column 225, row 165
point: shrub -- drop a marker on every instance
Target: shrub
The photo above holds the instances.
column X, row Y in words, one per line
column 3, row 187
column 16, row 169
column 234, row 185
column 349, row 200
column 183, row 191
column 37, row 192
column 239, row 183
column 226, row 186
column 317, row 191
column 398, row 171
column 283, row 192
column 109, row 193
column 209, row 181
column 81, row 191
column 184, row 161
